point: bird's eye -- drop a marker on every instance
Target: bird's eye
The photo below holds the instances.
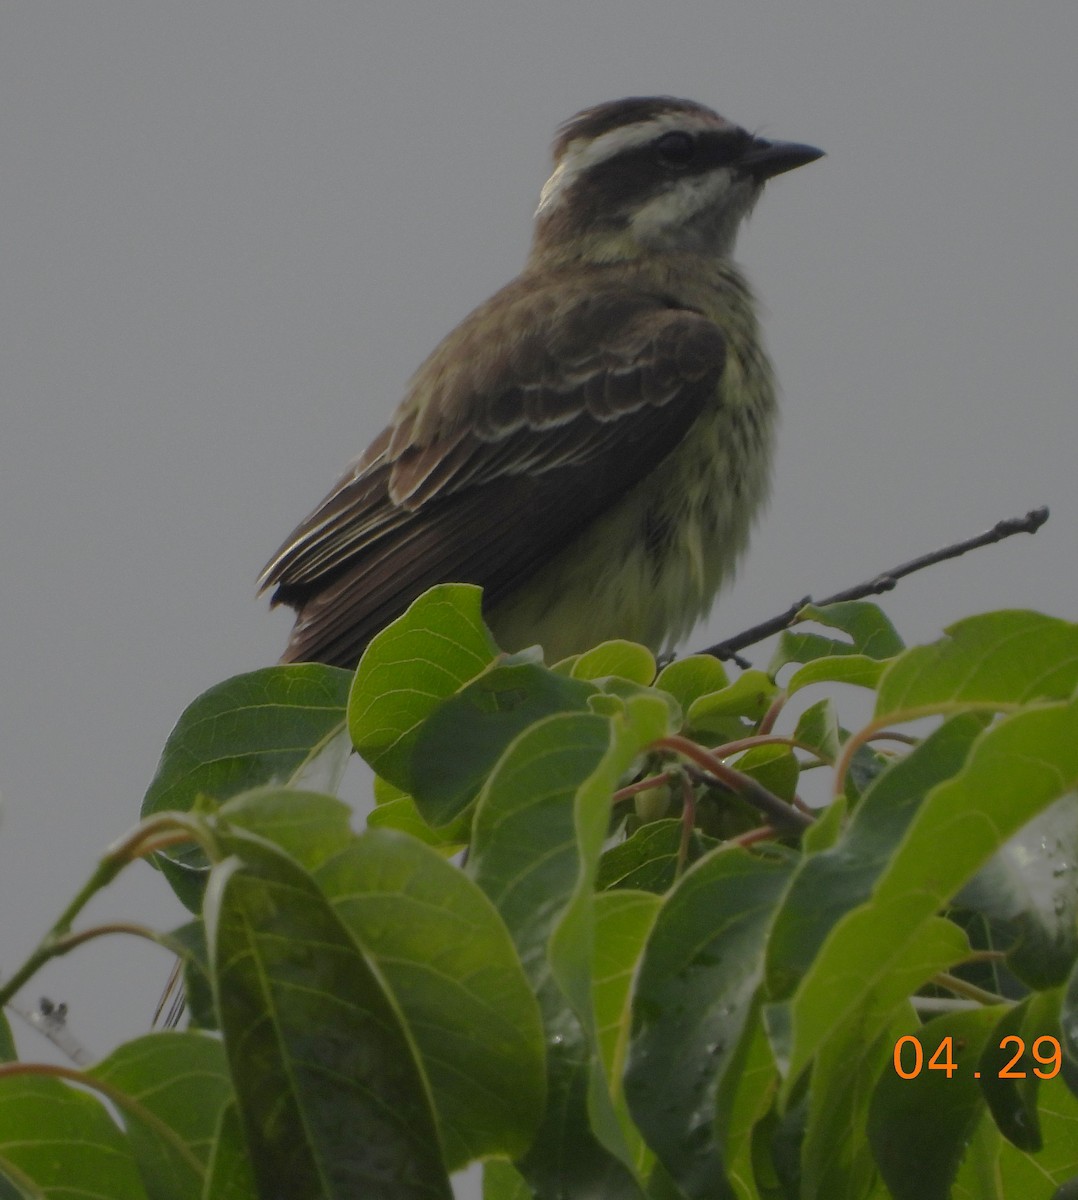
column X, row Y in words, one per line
column 676, row 149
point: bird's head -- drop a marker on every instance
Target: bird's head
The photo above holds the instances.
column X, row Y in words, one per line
column 651, row 175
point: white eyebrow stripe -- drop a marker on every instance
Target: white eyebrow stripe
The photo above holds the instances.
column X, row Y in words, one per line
column 581, row 155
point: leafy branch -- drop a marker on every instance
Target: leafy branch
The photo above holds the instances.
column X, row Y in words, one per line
column 635, row 984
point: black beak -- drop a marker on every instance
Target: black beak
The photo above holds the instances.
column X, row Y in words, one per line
column 763, row 158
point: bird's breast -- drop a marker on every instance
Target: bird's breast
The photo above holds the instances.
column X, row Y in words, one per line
column 649, row 568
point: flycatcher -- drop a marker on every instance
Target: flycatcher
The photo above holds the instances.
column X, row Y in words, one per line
column 591, row 445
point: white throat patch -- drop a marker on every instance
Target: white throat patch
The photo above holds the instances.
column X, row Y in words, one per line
column 675, row 207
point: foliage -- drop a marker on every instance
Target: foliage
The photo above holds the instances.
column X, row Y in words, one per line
column 655, row 973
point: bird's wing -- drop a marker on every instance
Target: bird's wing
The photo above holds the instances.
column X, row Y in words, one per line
column 533, row 420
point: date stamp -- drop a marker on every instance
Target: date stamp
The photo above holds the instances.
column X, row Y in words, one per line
column 909, row 1057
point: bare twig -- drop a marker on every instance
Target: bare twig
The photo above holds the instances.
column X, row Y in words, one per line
column 763, row 833
column 965, row 989
column 641, row 785
column 711, row 770
column 932, row 1006
column 728, row 649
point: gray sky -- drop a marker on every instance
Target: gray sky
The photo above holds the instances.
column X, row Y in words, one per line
column 229, row 231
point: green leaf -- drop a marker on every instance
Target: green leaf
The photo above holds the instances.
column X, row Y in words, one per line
column 524, row 851
column 623, row 920
column 773, row 767
column 538, row 831
column 571, row 947
column 614, row 693
column 648, row 860
column 999, row 658
column 825, row 831
column 409, row 668
column 275, row 725
column 687, row 679
column 798, row 646
column 859, row 661
column 395, row 809
column 751, row 1086
column 995, row 1170
column 1015, row 769
column 626, row 660
column 1030, row 887
column 872, row 637
column 310, row 826
column 980, row 1176
column 749, row 696
column 15, row 1186
column 502, row 1181
column 868, row 626
column 835, row 1156
column 1058, row 1110
column 174, row 1088
column 644, row 720
column 1012, row 1102
column 855, row 975
column 278, row 725
column 919, row 1128
column 332, row 1100
column 694, row 994
column 402, row 815
column 817, row 728
column 8, row 1052
column 55, row 1141
column 450, row 964
column 459, row 743
column 830, row 884
column 866, row 766
column 229, row 1172
column 858, row 670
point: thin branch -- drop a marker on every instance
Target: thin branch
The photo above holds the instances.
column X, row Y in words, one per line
column 163, row 829
column 68, row 942
column 778, row 812
column 753, row 740
column 727, row 649
column 763, row 833
column 641, row 785
column 965, row 989
column 985, row 956
column 715, row 773
column 934, row 1005
column 772, row 715
column 893, row 735
column 874, row 728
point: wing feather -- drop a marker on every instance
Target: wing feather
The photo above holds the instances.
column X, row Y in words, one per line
column 532, row 419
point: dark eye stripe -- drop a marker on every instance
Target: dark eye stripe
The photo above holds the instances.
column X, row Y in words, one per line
column 713, row 148
column 725, row 146
column 606, row 192
column 676, row 148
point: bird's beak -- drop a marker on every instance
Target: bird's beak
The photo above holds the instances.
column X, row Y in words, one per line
column 764, row 159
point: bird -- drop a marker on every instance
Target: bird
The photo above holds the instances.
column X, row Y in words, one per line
column 592, row 444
